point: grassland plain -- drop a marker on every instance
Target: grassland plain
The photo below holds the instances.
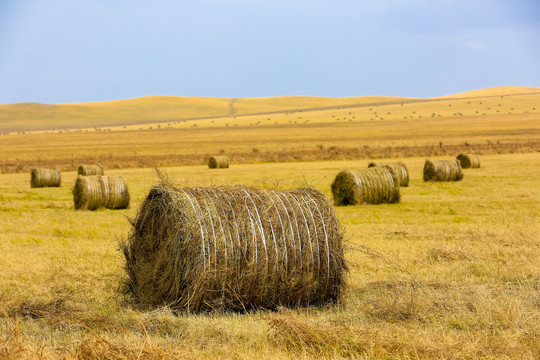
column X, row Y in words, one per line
column 341, row 140
column 450, row 272
column 499, row 120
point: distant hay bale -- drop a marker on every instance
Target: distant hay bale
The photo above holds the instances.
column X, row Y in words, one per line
column 45, row 178
column 399, row 168
column 469, row 161
column 218, row 162
column 373, row 185
column 94, row 192
column 234, row 248
column 86, row 170
column 442, row 170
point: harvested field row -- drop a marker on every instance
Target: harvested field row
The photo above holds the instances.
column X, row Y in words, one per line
column 17, row 165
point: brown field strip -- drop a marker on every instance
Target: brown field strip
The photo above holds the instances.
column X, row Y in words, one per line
column 308, row 141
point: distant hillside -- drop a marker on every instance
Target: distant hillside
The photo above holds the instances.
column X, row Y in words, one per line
column 160, row 109
column 153, row 109
column 495, row 91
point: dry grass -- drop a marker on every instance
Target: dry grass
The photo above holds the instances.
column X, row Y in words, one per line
column 423, row 127
column 451, row 272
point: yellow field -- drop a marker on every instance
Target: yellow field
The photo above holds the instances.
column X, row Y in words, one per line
column 450, row 272
column 155, row 109
column 181, row 112
column 480, row 121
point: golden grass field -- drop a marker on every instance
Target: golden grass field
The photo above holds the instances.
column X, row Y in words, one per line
column 451, row 272
column 485, row 121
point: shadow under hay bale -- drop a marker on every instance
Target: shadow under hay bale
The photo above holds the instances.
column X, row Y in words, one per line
column 45, row 178
column 234, row 248
column 442, row 170
column 469, row 161
column 374, row 185
column 86, row 170
column 94, row 192
column 399, row 168
column 218, row 162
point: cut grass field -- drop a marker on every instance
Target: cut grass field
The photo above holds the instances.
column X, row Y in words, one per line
column 481, row 121
column 450, row 272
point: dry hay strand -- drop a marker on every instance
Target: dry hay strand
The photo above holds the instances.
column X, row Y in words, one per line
column 234, row 248
column 86, row 170
column 469, row 161
column 45, row 178
column 94, row 192
column 442, row 170
column 399, row 168
column 373, row 185
column 218, row 162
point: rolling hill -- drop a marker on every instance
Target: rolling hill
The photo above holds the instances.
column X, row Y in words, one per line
column 175, row 111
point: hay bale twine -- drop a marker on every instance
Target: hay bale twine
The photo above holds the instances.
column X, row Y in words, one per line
column 86, row 170
column 218, row 162
column 45, row 178
column 94, row 192
column 442, row 170
column 234, row 248
column 373, row 185
column 468, row 161
column 399, row 168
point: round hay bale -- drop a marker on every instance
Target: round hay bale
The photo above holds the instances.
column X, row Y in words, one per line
column 234, row 248
column 45, row 178
column 399, row 168
column 218, row 162
column 468, row 161
column 373, row 185
column 86, row 170
column 442, row 170
column 96, row 191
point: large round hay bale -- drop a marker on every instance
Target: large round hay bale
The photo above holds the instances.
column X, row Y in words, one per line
column 218, row 162
column 373, row 185
column 399, row 168
column 86, row 170
column 468, row 161
column 94, row 192
column 45, row 178
column 234, row 248
column 442, row 170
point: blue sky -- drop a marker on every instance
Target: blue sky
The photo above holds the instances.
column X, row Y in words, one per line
column 60, row 51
